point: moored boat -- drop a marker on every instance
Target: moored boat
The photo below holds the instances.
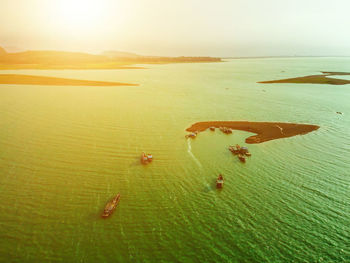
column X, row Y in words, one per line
column 241, row 158
column 240, row 150
column 110, row 206
column 233, row 150
column 220, row 181
column 226, row 130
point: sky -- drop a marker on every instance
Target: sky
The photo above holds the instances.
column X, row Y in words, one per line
column 225, row 28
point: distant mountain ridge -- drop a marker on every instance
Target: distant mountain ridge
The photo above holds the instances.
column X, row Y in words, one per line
column 45, row 59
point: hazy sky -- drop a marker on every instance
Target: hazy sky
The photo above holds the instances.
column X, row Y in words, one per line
column 179, row 27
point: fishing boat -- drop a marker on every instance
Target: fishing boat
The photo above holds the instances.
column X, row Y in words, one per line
column 144, row 159
column 241, row 158
column 219, row 182
column 191, row 135
column 233, row 150
column 226, row 130
column 110, row 206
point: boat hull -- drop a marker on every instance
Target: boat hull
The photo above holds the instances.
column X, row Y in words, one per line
column 111, row 206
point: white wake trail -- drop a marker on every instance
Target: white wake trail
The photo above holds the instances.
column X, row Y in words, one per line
column 189, row 150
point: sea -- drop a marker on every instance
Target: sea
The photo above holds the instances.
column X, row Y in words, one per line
column 66, row 151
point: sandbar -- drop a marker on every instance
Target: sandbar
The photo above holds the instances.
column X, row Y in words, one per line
column 265, row 131
column 314, row 79
column 52, row 81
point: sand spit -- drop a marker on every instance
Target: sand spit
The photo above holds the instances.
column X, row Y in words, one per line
column 52, row 81
column 314, row 79
column 265, row 131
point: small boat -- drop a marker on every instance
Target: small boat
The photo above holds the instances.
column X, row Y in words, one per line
column 212, row 128
column 226, row 130
column 233, row 150
column 110, row 206
column 144, row 159
column 191, row 135
column 219, row 182
column 244, row 151
column 241, row 158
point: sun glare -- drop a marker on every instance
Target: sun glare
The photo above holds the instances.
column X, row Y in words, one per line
column 80, row 14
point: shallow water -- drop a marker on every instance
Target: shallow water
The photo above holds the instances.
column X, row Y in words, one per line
column 65, row 151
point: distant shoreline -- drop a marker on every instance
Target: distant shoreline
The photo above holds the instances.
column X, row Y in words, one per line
column 43, row 59
column 16, row 79
column 314, row 79
column 265, row 131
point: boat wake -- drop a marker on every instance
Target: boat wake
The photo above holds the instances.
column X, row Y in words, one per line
column 189, row 150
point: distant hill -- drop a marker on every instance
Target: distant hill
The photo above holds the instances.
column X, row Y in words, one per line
column 77, row 60
column 2, row 51
column 51, row 57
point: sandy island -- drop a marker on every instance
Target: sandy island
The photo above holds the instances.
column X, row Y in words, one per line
column 51, row 81
column 266, row 131
column 314, row 79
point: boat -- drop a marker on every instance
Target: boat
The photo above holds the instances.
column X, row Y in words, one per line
column 144, row 159
column 233, row 150
column 149, row 157
column 191, row 135
column 240, row 150
column 241, row 158
column 212, row 128
column 220, row 181
column 110, row 206
column 226, row 130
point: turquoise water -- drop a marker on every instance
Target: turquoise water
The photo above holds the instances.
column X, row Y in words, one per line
column 65, row 151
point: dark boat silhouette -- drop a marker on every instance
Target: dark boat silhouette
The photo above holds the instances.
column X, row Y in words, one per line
column 241, row 158
column 110, row 206
column 220, row 181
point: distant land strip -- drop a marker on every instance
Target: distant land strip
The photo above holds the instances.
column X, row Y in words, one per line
column 45, row 59
column 314, row 79
column 52, row 81
column 265, row 131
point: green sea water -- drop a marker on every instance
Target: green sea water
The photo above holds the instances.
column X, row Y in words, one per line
column 66, row 151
